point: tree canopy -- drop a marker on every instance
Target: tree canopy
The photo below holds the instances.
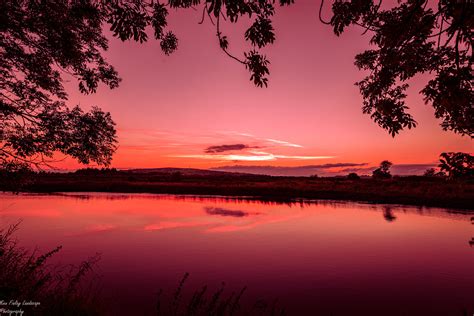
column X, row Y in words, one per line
column 43, row 41
column 383, row 171
column 409, row 39
column 457, row 164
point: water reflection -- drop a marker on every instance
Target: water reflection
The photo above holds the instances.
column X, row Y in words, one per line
column 310, row 254
column 388, row 214
column 224, row 212
column 471, row 242
column 150, row 212
column 245, row 200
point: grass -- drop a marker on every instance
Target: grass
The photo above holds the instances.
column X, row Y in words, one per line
column 203, row 302
column 26, row 277
column 414, row 190
column 29, row 285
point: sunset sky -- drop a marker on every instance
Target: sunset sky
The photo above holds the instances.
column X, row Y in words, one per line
column 182, row 110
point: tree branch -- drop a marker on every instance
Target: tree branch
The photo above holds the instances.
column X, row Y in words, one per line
column 225, row 50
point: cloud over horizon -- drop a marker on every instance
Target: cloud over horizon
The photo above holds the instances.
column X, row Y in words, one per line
column 260, row 156
column 223, row 148
column 268, row 149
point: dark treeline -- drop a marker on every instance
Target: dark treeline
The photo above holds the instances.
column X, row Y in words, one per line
column 416, row 190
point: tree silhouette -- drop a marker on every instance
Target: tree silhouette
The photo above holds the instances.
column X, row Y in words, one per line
column 457, row 164
column 412, row 38
column 353, row 176
column 40, row 41
column 383, row 171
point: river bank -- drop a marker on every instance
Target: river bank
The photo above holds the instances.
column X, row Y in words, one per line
column 423, row 191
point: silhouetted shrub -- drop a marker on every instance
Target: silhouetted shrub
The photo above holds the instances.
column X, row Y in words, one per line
column 457, row 165
column 353, row 176
column 382, row 172
column 13, row 177
column 24, row 275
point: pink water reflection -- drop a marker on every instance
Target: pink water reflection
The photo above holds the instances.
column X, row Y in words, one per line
column 343, row 258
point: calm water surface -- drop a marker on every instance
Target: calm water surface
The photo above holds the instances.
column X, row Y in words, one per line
column 315, row 258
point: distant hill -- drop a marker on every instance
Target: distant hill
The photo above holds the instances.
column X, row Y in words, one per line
column 185, row 172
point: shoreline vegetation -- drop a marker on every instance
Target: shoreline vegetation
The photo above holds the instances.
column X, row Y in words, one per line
column 408, row 190
column 29, row 284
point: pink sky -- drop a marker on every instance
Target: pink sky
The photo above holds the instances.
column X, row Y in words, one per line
column 169, row 109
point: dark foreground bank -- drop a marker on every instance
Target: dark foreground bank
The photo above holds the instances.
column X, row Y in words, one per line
column 414, row 190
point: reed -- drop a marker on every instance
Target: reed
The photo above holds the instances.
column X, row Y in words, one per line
column 73, row 290
column 26, row 276
column 202, row 302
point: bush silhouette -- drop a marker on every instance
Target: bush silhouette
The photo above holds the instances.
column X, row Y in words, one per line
column 353, row 176
column 383, row 171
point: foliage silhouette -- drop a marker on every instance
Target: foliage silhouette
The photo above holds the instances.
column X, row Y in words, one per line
column 218, row 303
column 457, row 165
column 383, row 172
column 25, row 275
column 41, row 41
column 353, row 176
column 437, row 40
column 15, row 176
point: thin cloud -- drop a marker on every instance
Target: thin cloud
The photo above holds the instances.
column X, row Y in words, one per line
column 260, row 157
column 228, row 157
column 153, row 147
column 223, row 148
column 237, row 133
column 268, row 140
column 149, row 140
column 283, row 143
column 303, row 157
